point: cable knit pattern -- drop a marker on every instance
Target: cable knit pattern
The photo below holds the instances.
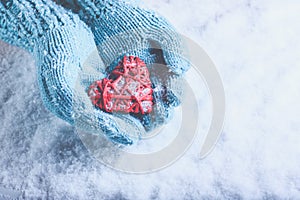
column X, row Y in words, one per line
column 121, row 28
column 61, row 43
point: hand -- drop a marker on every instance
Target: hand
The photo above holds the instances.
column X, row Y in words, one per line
column 61, row 44
column 120, row 28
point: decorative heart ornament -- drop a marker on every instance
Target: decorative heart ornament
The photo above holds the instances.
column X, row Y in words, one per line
column 127, row 89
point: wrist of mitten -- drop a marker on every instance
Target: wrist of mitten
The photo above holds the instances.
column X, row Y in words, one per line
column 22, row 23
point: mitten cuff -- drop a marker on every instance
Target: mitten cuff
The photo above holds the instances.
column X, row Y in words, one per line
column 22, row 23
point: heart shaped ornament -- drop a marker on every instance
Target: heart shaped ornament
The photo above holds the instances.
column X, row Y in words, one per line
column 127, row 88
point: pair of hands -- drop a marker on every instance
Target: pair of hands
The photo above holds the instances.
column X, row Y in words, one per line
column 76, row 42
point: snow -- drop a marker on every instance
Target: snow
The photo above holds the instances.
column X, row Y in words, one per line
column 255, row 47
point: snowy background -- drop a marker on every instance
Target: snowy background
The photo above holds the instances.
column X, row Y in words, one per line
column 256, row 48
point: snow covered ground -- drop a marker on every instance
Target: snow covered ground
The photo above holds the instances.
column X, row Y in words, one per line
column 255, row 46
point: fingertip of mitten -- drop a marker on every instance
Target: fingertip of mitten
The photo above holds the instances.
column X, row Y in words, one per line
column 122, row 139
column 172, row 99
column 176, row 63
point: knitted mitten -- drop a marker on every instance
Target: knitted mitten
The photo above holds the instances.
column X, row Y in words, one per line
column 61, row 44
column 120, row 28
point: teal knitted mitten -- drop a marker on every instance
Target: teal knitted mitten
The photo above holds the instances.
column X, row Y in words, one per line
column 61, row 43
column 121, row 28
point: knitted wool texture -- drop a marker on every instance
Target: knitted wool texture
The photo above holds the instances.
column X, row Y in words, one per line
column 62, row 44
column 122, row 28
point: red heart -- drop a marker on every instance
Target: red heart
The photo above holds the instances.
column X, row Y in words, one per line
column 127, row 89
